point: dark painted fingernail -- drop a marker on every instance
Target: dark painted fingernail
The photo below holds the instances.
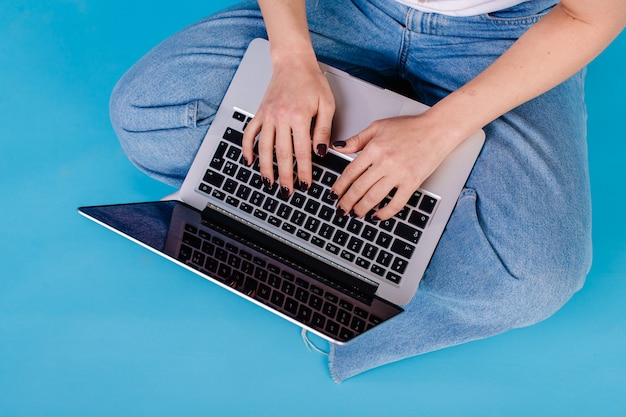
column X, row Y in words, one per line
column 375, row 218
column 284, row 191
column 266, row 182
column 333, row 195
column 304, row 186
column 339, row 144
column 340, row 211
column 321, row 150
column 245, row 161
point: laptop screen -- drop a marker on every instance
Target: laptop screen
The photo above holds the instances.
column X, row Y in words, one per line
column 315, row 296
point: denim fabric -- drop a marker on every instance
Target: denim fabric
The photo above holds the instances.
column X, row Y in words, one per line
column 518, row 244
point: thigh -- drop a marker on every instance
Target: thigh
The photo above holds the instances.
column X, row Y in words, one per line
column 518, row 244
column 531, row 179
column 162, row 107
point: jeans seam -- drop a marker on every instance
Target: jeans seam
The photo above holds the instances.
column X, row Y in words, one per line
column 192, row 112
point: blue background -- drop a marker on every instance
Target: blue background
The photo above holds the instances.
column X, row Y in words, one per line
column 93, row 325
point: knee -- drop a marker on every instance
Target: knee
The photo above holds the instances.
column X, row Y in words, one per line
column 159, row 139
column 549, row 282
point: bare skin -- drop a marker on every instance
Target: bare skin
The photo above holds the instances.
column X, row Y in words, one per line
column 554, row 49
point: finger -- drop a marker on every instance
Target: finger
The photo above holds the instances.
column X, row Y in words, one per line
column 266, row 154
column 322, row 129
column 350, row 174
column 376, row 193
column 284, row 159
column 397, row 203
column 247, row 143
column 364, row 193
column 357, row 142
column 302, row 152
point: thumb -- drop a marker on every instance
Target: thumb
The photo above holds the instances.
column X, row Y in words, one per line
column 355, row 143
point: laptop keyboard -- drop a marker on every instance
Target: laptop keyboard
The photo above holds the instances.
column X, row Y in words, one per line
column 367, row 246
column 280, row 287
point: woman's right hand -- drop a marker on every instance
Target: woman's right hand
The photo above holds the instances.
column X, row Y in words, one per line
column 294, row 118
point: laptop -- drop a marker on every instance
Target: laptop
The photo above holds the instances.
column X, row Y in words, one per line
column 335, row 276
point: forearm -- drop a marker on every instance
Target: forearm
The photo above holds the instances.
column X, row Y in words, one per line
column 554, row 49
column 287, row 28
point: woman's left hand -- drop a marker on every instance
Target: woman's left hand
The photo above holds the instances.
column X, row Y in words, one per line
column 399, row 152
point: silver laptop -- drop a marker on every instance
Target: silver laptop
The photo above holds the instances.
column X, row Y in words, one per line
column 336, row 276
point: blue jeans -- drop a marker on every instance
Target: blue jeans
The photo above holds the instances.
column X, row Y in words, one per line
column 518, row 244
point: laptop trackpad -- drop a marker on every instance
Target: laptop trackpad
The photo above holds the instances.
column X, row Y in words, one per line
column 361, row 103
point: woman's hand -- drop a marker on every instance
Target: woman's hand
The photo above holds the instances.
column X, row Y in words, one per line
column 294, row 117
column 400, row 153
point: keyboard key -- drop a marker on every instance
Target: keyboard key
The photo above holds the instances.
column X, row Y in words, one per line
column 230, row 186
column 298, row 218
column 260, row 214
column 315, row 302
column 402, row 248
column 230, row 169
column 329, row 310
column 233, row 153
column 243, row 192
column 326, row 213
column 326, row 231
column 378, row 270
column 329, row 179
column 393, row 277
column 318, row 242
column 270, row 205
column 369, row 233
column 384, row 240
column 333, row 249
column 239, row 117
column 316, row 191
column 363, row 263
column 185, row 253
column 277, row 298
column 343, row 317
column 318, row 320
column 384, row 258
column 213, row 178
column 291, row 306
column 244, row 174
column 312, row 224
column 303, row 234
column 355, row 244
column 298, row 200
column 332, row 327
column 284, row 211
column 407, row 232
column 192, row 240
column 264, row 292
column 304, row 314
column 387, row 224
column 311, row 207
column 369, row 251
column 355, row 226
column 233, row 136
column 428, row 204
column 348, row 256
column 399, row 265
column 302, row 295
column 341, row 237
column 418, row 219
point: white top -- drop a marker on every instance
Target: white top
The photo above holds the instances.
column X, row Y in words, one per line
column 460, row 7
